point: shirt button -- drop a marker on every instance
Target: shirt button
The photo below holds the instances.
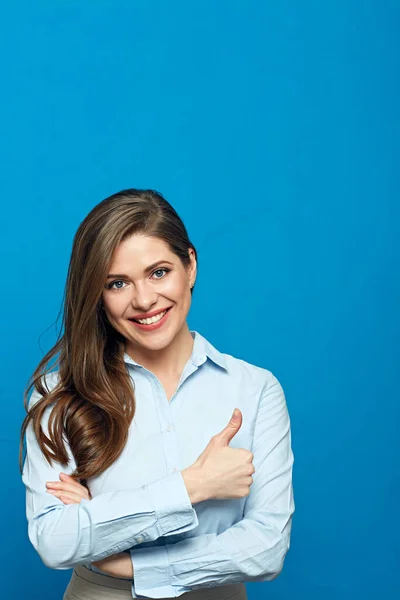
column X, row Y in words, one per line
column 140, row 539
column 168, row 428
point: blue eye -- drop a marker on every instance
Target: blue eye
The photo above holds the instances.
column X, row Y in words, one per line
column 160, row 271
column 110, row 285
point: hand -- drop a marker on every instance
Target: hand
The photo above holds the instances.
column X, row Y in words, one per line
column 69, row 491
column 220, row 471
column 118, row 565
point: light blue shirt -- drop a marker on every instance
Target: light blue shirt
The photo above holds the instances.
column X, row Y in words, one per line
column 140, row 504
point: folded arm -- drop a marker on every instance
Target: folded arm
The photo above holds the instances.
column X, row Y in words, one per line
column 252, row 549
column 68, row 535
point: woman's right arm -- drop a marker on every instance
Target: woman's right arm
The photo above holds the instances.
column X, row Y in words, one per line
column 67, row 535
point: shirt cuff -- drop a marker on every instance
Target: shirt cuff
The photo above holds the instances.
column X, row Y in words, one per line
column 170, row 499
column 152, row 573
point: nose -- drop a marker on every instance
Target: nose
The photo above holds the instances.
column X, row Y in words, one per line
column 144, row 297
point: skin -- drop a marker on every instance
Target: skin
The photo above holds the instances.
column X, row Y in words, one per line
column 163, row 351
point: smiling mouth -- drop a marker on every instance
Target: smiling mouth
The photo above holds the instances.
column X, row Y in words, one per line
column 155, row 319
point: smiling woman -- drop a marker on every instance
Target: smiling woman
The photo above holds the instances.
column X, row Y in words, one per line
column 117, row 451
column 153, row 295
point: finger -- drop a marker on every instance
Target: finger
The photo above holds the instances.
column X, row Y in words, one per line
column 63, row 488
column 230, row 430
column 75, row 488
column 67, row 500
column 70, row 497
column 66, row 487
column 69, row 478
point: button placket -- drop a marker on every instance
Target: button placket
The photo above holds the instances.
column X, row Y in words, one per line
column 165, row 413
column 168, row 432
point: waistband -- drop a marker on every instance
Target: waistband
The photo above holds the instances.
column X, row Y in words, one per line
column 225, row 592
column 104, row 580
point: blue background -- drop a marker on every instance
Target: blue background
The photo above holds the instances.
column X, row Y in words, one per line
column 273, row 129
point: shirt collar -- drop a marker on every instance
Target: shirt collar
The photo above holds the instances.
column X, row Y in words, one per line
column 202, row 349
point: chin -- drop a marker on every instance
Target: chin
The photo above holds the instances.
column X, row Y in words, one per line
column 154, row 341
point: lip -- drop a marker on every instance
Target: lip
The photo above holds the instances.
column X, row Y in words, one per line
column 152, row 326
column 150, row 314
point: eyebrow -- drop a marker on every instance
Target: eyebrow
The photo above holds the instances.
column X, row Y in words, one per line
column 147, row 269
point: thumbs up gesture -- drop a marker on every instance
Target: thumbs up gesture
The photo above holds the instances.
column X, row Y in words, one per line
column 225, row 472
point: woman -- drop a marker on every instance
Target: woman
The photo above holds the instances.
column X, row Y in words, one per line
column 138, row 475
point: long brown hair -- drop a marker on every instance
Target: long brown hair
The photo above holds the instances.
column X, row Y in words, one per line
column 94, row 401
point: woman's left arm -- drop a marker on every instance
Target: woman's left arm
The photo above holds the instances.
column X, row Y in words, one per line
column 252, row 549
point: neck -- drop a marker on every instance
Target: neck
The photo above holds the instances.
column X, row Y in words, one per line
column 169, row 361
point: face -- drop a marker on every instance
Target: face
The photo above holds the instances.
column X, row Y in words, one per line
column 146, row 279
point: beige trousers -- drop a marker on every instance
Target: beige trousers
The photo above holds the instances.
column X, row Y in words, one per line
column 88, row 585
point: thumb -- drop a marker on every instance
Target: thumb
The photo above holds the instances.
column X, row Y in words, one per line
column 225, row 436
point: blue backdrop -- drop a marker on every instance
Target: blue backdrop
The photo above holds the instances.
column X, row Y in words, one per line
column 273, row 128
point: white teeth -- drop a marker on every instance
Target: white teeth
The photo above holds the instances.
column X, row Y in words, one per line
column 154, row 319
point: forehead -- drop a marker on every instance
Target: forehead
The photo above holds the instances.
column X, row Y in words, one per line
column 141, row 250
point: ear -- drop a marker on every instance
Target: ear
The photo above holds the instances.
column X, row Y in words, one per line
column 192, row 269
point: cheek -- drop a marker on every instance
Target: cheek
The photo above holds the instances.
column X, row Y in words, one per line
column 115, row 306
column 174, row 288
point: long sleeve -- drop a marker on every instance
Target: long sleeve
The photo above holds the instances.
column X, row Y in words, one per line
column 68, row 535
column 252, row 549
